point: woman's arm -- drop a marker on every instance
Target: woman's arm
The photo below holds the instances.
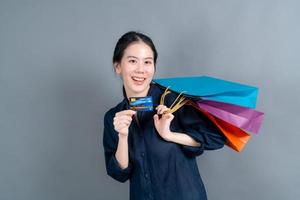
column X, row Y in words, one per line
column 117, row 161
column 163, row 128
column 122, row 121
column 181, row 138
column 122, row 151
column 196, row 133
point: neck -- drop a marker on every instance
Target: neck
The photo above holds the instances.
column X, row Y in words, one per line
column 129, row 94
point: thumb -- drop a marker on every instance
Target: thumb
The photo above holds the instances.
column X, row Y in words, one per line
column 170, row 116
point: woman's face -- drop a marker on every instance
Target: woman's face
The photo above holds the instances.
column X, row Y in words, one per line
column 136, row 69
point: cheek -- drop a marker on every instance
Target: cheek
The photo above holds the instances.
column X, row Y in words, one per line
column 150, row 71
column 127, row 69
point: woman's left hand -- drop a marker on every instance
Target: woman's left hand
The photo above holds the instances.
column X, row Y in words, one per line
column 162, row 124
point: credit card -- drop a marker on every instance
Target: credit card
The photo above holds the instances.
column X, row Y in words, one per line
column 141, row 103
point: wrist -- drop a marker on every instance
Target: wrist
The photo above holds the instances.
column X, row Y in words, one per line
column 169, row 136
column 122, row 136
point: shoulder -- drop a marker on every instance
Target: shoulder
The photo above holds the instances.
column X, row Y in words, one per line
column 158, row 91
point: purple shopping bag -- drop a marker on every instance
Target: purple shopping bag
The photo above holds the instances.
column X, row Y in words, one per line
column 239, row 116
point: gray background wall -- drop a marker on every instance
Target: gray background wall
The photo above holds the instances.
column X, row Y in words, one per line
column 56, row 82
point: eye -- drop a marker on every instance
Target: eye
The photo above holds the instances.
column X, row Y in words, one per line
column 132, row 61
column 148, row 62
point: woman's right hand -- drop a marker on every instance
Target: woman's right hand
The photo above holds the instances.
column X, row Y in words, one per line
column 122, row 121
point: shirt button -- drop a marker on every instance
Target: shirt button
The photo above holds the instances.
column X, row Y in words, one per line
column 146, row 175
column 143, row 154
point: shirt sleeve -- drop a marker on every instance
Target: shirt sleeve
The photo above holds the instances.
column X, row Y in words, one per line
column 201, row 129
column 110, row 144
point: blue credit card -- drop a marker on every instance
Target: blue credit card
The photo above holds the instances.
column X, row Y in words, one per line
column 141, row 103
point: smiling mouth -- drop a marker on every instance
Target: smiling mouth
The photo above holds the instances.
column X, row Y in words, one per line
column 138, row 80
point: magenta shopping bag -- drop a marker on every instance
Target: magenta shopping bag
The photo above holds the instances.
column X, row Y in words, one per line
column 239, row 116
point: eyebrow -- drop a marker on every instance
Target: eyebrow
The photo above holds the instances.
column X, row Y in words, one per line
column 138, row 58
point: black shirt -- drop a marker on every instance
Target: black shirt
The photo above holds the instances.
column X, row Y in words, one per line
column 158, row 169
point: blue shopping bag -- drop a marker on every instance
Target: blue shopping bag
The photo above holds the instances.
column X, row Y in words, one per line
column 210, row 88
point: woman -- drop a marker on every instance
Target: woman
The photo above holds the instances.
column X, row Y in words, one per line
column 155, row 150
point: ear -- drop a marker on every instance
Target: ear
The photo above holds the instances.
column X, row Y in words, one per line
column 117, row 68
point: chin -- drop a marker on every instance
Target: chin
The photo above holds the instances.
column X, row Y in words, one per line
column 138, row 89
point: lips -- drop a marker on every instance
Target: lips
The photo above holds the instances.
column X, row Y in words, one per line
column 135, row 78
column 138, row 80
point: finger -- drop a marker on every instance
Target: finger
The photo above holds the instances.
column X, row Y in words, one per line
column 130, row 112
column 165, row 110
column 156, row 118
column 169, row 116
column 115, row 121
column 122, row 127
column 158, row 110
column 126, row 112
column 125, row 121
column 159, row 107
column 162, row 109
column 124, row 117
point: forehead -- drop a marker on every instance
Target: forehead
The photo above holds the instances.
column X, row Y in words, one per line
column 138, row 49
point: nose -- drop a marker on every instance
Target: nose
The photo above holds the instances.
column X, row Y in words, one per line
column 140, row 68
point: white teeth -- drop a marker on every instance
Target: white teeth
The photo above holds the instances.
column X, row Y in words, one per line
column 138, row 79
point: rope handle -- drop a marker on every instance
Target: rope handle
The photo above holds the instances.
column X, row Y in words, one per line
column 177, row 103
